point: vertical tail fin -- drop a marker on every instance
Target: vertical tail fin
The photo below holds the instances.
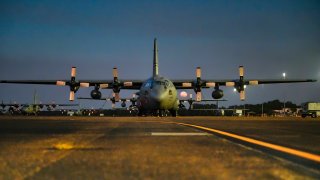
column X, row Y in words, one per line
column 35, row 97
column 155, row 58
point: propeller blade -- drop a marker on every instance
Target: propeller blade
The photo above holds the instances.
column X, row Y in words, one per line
column 242, row 95
column 127, row 84
column 230, row 84
column 71, row 96
column 116, row 97
column 199, row 96
column 73, row 71
column 60, row 83
column 104, row 86
column 115, row 72
column 185, row 84
column 254, row 82
column 84, row 84
column 198, row 72
column 210, row 84
column 241, row 71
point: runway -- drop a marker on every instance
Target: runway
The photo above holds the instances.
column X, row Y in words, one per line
column 156, row 148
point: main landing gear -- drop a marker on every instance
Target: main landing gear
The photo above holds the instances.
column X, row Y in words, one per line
column 158, row 113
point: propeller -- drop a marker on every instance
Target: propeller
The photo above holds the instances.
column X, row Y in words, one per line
column 73, row 84
column 240, row 85
column 113, row 100
column 198, row 84
column 116, row 84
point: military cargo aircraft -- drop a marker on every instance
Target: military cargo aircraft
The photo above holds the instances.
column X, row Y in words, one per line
column 157, row 93
column 31, row 109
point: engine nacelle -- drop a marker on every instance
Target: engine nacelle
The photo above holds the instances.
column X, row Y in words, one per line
column 95, row 94
column 217, row 94
column 123, row 104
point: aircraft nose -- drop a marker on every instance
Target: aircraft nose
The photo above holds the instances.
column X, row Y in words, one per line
column 157, row 96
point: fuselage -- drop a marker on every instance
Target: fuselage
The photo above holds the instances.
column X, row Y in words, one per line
column 157, row 93
column 31, row 109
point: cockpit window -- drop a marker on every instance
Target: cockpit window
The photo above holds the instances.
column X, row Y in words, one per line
column 149, row 84
column 163, row 83
column 159, row 83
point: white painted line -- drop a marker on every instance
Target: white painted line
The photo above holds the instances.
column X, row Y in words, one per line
column 302, row 154
column 180, row 134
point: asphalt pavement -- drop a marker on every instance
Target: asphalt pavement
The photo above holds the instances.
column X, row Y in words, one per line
column 155, row 148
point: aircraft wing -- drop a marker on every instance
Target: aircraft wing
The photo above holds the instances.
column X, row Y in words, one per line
column 49, row 82
column 108, row 99
column 74, row 84
column 53, row 104
column 66, row 104
column 208, row 83
column 202, row 100
column 103, row 84
column 211, row 100
column 238, row 84
column 99, row 99
column 277, row 81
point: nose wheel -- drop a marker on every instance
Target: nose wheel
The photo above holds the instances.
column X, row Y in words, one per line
column 160, row 113
column 173, row 113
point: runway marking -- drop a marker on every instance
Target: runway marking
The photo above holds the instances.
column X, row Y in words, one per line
column 63, row 146
column 302, row 154
column 180, row 134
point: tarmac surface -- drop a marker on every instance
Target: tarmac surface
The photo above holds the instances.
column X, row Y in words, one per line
column 157, row 148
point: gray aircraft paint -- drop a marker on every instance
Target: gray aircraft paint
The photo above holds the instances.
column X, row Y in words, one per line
column 157, row 93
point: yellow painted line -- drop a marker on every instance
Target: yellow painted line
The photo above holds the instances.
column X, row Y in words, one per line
column 179, row 134
column 63, row 146
column 291, row 151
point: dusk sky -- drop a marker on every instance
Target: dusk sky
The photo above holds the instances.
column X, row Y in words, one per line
column 42, row 39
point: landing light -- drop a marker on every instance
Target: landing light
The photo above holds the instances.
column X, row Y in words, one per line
column 234, row 89
column 183, row 94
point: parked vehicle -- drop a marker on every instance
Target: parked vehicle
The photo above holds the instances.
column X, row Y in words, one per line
column 310, row 109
